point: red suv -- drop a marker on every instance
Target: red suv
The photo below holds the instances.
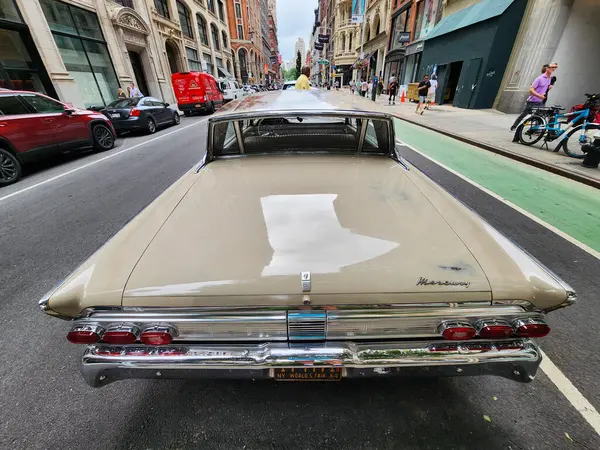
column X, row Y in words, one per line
column 33, row 126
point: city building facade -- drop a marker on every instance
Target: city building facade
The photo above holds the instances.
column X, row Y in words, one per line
column 249, row 29
column 300, row 47
column 346, row 39
column 83, row 51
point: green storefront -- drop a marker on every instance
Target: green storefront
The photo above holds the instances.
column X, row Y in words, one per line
column 469, row 51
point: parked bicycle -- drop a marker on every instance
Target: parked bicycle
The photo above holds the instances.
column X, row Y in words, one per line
column 578, row 127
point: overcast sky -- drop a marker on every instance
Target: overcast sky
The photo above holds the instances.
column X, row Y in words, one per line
column 295, row 19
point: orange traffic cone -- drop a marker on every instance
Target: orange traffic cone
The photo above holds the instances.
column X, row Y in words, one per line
column 402, row 98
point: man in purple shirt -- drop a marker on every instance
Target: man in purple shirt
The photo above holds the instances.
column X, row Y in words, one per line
column 537, row 93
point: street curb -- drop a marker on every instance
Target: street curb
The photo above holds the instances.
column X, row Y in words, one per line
column 530, row 161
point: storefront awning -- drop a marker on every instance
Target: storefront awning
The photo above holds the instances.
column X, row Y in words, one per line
column 223, row 72
column 483, row 10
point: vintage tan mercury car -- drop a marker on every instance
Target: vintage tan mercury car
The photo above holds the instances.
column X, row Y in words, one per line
column 303, row 247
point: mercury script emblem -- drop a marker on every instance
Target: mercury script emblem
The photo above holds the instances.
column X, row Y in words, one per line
column 422, row 281
column 305, row 277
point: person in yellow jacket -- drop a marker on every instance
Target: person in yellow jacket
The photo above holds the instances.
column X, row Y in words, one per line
column 302, row 82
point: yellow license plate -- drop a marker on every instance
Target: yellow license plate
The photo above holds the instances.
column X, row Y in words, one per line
column 308, row 374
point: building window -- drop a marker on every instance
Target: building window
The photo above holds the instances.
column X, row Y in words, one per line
column 193, row 60
column 162, row 8
column 238, row 11
column 211, row 6
column 184, row 20
column 9, row 11
column 240, row 32
column 83, row 50
column 209, row 64
column 221, row 13
column 224, row 40
column 126, row 3
column 350, row 43
column 399, row 25
column 215, row 36
column 420, row 10
column 219, row 62
column 202, row 29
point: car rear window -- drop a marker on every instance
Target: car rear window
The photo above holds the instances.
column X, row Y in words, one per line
column 124, row 103
column 312, row 133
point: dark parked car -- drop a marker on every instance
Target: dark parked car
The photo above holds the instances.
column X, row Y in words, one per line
column 140, row 113
column 34, row 126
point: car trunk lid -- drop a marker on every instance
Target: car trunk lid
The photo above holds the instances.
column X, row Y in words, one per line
column 248, row 228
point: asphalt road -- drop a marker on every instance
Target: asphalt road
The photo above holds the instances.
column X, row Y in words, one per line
column 49, row 228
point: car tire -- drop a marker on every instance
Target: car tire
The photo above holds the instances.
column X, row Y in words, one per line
column 150, row 125
column 10, row 168
column 176, row 118
column 211, row 108
column 187, row 113
column 102, row 137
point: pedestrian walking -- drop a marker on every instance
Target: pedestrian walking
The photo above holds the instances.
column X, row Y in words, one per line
column 392, row 79
column 352, row 86
column 121, row 93
column 302, row 83
column 337, row 85
column 364, row 87
column 423, row 90
column 379, row 87
column 393, row 89
column 552, row 81
column 431, row 93
column 538, row 92
column 134, row 92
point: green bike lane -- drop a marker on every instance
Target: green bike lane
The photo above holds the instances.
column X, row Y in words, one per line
column 569, row 206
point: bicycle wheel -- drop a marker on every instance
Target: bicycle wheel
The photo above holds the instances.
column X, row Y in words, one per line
column 532, row 130
column 576, row 138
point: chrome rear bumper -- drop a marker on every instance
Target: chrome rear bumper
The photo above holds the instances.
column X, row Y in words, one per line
column 516, row 359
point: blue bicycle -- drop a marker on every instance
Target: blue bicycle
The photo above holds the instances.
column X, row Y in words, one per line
column 577, row 131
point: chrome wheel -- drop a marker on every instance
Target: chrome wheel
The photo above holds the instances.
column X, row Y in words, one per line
column 10, row 169
column 103, row 138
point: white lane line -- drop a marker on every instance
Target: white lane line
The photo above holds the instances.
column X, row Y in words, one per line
column 562, row 383
column 552, row 228
column 579, row 402
column 112, row 155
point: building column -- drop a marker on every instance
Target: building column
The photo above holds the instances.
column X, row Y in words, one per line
column 538, row 38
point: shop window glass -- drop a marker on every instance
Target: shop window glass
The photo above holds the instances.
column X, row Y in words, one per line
column 9, row 11
column 43, row 104
column 58, row 16
column 75, row 60
column 87, row 23
column 11, row 105
column 103, row 69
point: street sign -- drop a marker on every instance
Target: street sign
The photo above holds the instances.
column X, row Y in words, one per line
column 356, row 19
column 323, row 38
column 323, row 61
column 319, row 47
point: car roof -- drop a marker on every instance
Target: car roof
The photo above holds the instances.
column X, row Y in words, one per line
column 291, row 100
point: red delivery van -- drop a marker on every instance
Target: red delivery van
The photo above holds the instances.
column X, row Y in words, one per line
column 196, row 91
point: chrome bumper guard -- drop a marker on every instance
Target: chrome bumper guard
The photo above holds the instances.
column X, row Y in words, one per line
column 516, row 359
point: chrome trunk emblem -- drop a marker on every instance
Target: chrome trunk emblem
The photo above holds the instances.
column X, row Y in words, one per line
column 305, row 277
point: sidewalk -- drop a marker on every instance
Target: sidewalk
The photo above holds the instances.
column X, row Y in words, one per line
column 489, row 129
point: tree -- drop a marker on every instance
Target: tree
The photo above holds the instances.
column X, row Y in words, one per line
column 298, row 64
column 289, row 75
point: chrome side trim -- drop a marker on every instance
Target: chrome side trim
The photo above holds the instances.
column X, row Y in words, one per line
column 516, row 359
column 45, row 307
column 571, row 299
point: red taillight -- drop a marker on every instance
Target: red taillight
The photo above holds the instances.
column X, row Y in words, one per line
column 156, row 337
column 84, row 334
column 119, row 337
column 457, row 331
column 494, row 329
column 531, row 328
column 134, row 112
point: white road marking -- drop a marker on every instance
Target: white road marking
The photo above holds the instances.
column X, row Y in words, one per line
column 562, row 383
column 552, row 228
column 579, row 402
column 112, row 155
